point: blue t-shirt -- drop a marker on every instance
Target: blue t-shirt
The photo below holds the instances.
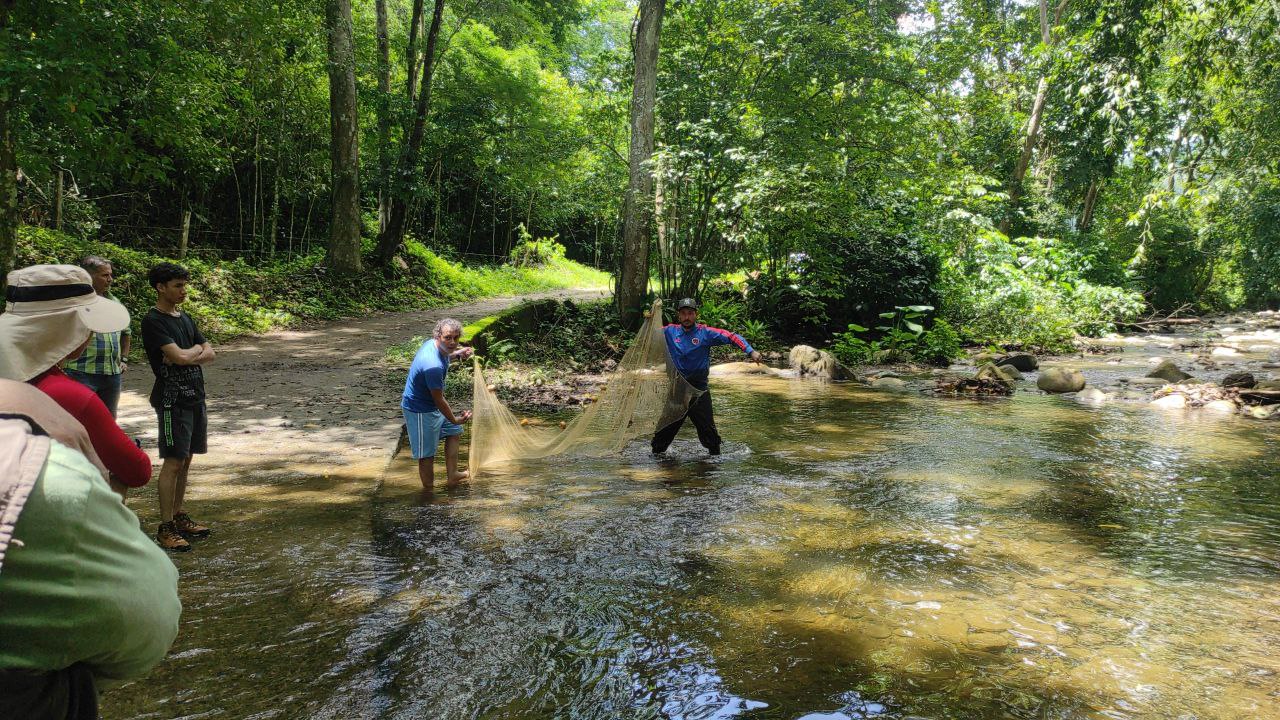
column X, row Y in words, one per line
column 425, row 374
column 691, row 351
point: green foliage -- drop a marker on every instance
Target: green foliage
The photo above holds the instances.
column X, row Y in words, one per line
column 535, row 253
column 234, row 298
column 1025, row 292
column 904, row 339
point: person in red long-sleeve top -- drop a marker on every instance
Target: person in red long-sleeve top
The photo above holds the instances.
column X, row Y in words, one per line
column 127, row 463
column 50, row 314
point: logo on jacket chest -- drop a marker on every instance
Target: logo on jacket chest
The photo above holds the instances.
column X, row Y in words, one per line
column 695, row 341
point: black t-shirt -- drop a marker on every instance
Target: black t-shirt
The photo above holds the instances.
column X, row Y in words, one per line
column 175, row 384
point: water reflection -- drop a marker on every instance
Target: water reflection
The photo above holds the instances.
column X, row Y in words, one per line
column 853, row 554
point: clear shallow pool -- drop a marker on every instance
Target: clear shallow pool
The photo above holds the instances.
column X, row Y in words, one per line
column 854, row 554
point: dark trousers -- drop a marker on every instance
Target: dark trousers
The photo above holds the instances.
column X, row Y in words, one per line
column 106, row 386
column 68, row 694
column 703, row 419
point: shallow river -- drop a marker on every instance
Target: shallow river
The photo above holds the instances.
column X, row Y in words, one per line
column 854, row 554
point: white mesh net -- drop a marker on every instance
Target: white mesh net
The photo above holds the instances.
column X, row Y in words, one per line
column 644, row 395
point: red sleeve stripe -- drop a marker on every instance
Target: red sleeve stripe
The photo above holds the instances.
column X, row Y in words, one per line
column 733, row 338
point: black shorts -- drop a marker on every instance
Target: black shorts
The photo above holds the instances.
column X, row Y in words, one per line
column 184, row 431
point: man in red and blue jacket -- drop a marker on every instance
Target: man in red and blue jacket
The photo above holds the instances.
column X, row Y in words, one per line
column 690, row 346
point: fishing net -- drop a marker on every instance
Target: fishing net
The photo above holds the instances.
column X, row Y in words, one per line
column 644, row 395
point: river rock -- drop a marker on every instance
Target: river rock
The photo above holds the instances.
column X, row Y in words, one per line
column 1145, row 382
column 1060, row 380
column 739, row 369
column 1176, row 401
column 1267, row 385
column 1261, row 412
column 1225, row 407
column 1092, row 396
column 1025, row 362
column 1006, row 374
column 1239, row 380
column 1166, row 370
column 888, row 383
column 812, row 362
column 1224, row 352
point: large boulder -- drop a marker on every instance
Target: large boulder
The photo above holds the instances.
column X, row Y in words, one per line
column 1168, row 372
column 1060, row 380
column 1239, row 380
column 1025, row 362
column 812, row 362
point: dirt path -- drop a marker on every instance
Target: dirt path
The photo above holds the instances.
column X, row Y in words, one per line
column 313, row 402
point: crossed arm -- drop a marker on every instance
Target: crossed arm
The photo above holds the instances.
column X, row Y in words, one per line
column 202, row 354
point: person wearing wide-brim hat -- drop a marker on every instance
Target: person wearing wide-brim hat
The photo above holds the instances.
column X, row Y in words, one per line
column 49, row 313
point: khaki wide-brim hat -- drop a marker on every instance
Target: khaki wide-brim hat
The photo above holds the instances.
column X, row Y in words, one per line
column 51, row 310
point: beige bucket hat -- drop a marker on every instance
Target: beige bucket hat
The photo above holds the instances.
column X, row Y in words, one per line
column 51, row 310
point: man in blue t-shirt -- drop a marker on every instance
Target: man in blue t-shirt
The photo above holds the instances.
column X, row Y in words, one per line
column 690, row 346
column 427, row 415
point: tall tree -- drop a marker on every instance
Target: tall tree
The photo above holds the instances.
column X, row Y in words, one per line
column 637, row 213
column 344, row 145
column 1047, row 39
column 392, row 235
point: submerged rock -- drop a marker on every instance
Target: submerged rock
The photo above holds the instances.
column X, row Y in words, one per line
column 1092, row 396
column 1225, row 407
column 1169, row 372
column 1239, row 380
column 1060, row 380
column 890, row 383
column 1145, row 381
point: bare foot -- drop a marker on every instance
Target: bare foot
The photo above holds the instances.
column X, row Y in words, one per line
column 457, row 478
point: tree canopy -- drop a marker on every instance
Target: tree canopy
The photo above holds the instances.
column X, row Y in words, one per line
column 1070, row 161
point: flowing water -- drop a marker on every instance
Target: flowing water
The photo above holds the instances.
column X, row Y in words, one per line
column 854, row 554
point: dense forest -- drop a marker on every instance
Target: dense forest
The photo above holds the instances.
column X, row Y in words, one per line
column 1031, row 170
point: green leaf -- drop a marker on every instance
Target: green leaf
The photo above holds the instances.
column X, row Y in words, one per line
column 889, row 314
column 913, row 327
column 920, row 308
column 854, row 327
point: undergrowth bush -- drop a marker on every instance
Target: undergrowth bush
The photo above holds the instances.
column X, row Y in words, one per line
column 1028, row 293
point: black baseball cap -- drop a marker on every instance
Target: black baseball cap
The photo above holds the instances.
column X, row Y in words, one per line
column 687, row 303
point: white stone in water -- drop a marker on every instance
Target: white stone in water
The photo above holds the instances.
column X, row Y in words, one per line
column 1224, row 352
column 1220, row 406
column 1092, row 396
column 1176, row 401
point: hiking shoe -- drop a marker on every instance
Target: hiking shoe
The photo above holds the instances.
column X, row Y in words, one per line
column 170, row 539
column 189, row 528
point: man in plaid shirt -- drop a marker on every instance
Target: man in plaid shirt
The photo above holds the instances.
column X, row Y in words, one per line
column 104, row 359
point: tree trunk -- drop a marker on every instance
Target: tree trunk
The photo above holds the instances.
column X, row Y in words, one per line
column 1024, row 160
column 637, row 214
column 186, row 229
column 8, row 171
column 344, row 149
column 1090, row 200
column 384, row 112
column 57, row 201
column 393, row 234
column 1037, row 113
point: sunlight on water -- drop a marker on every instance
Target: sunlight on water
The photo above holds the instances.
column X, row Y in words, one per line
column 854, row 554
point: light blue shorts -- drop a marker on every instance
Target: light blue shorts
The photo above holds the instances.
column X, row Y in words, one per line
column 425, row 431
